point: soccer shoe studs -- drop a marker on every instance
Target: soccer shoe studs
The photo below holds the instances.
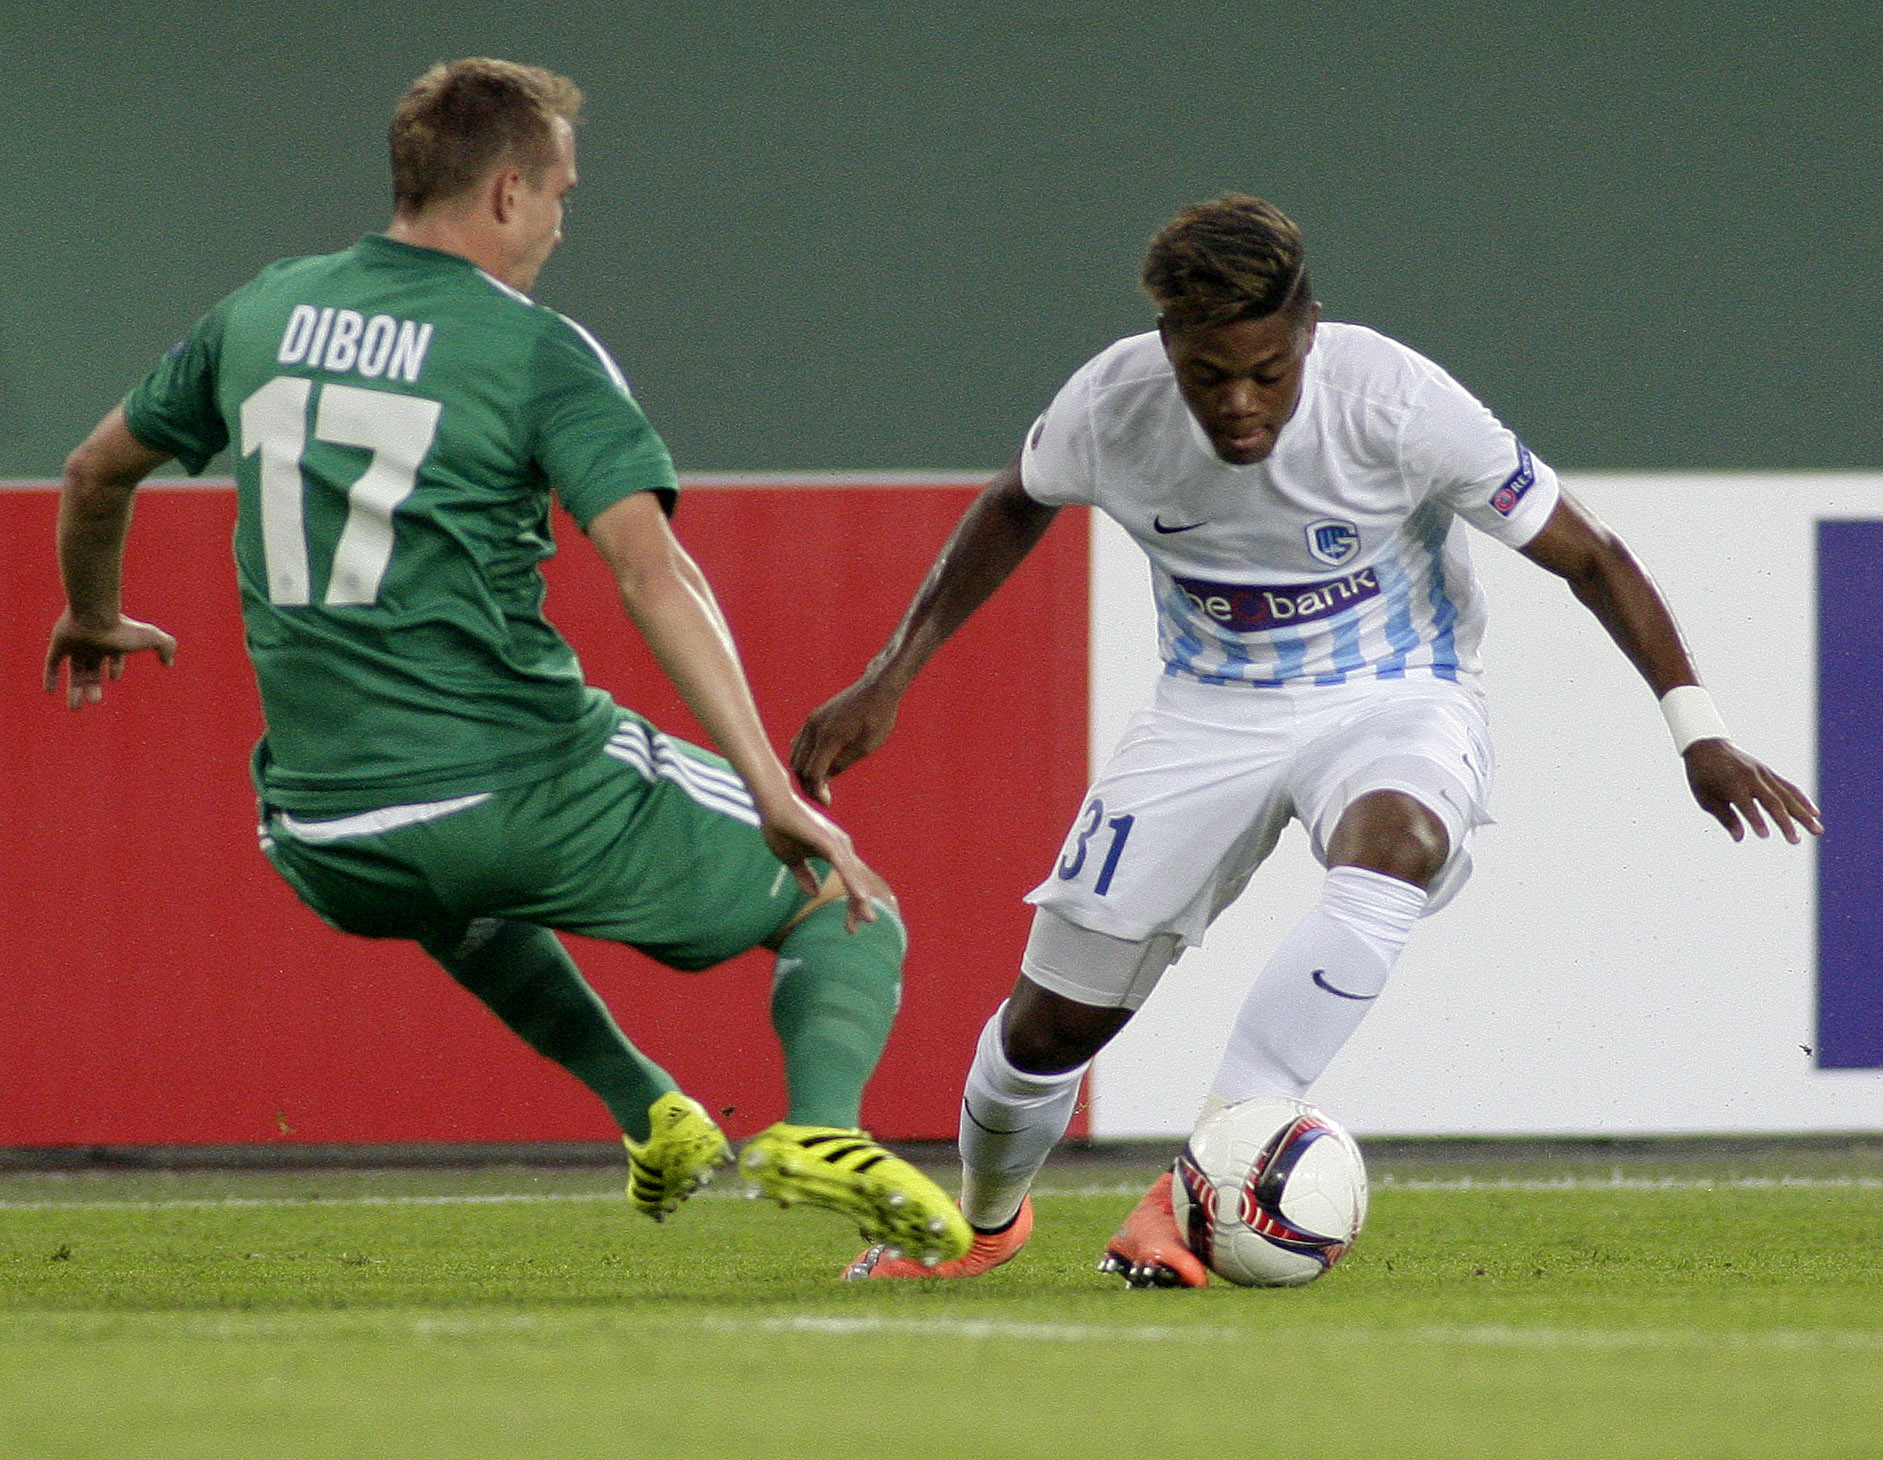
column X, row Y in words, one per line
column 1148, row 1251
column 845, row 1171
column 678, row 1157
column 988, row 1251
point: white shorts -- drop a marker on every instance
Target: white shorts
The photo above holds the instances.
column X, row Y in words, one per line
column 1206, row 776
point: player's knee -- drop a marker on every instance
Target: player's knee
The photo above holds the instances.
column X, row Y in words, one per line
column 464, row 945
column 1390, row 833
column 820, row 941
column 1044, row 1033
column 1039, row 1051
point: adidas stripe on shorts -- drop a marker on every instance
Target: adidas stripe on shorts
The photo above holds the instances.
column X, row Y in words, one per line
column 651, row 842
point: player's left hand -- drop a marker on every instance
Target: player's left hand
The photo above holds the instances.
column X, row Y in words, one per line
column 1738, row 791
column 95, row 655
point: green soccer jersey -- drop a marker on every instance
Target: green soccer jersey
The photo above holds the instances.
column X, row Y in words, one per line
column 399, row 419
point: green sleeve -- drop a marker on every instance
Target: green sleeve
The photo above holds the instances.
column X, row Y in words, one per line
column 174, row 409
column 593, row 443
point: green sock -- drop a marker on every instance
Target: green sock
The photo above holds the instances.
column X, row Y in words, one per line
column 528, row 980
column 834, row 997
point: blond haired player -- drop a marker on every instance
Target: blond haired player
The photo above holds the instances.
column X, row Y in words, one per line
column 400, row 416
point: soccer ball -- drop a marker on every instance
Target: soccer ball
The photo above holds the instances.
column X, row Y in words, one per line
column 1269, row 1192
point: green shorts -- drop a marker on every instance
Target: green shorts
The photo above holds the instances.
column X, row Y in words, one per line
column 653, row 842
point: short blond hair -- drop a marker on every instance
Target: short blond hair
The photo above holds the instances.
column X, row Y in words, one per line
column 462, row 118
column 1233, row 258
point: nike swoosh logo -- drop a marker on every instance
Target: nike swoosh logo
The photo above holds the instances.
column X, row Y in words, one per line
column 1158, row 523
column 1320, row 979
column 968, row 1110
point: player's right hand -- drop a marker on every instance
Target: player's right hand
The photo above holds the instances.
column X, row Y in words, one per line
column 839, row 733
column 94, row 655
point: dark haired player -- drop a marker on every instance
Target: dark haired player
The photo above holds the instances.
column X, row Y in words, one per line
column 1297, row 487
column 434, row 767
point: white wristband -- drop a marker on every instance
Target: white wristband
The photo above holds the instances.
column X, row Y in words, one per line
column 1691, row 715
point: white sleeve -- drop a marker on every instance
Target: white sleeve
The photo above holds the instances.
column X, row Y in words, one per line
column 1454, row 448
column 1058, row 464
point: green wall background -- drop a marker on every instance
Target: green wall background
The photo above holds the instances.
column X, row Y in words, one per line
column 878, row 236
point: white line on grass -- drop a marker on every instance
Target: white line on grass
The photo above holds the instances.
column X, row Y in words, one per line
column 994, row 1328
column 1613, row 1182
column 561, row 1328
column 212, row 1202
column 1477, row 1336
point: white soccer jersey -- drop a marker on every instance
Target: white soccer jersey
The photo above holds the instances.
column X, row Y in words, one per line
column 1336, row 558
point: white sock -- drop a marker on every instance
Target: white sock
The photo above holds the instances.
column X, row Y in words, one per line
column 1010, row 1122
column 1312, row 995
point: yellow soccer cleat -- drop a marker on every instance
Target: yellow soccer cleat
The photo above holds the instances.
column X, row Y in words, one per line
column 845, row 1171
column 678, row 1157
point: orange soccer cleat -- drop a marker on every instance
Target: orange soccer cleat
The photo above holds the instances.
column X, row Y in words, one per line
column 989, row 1250
column 1148, row 1251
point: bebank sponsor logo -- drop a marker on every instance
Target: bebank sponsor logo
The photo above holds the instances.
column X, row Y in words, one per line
column 1251, row 608
column 1506, row 497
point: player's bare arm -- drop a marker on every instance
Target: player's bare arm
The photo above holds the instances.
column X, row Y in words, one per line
column 1731, row 786
column 93, row 636
column 670, row 602
column 1001, row 526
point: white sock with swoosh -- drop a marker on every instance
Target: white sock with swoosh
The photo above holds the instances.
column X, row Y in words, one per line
column 1010, row 1122
column 1311, row 996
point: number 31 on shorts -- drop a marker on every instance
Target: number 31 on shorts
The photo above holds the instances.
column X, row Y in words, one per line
column 1093, row 823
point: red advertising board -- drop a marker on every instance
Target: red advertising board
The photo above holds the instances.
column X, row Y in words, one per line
column 160, row 985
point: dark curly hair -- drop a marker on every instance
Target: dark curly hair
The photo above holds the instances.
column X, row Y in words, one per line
column 1233, row 258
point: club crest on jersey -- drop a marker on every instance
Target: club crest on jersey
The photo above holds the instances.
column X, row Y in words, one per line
column 1506, row 497
column 1332, row 541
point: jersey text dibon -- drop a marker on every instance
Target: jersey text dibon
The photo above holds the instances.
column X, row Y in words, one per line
column 346, row 342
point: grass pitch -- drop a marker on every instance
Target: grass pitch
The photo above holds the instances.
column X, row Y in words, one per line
column 1701, row 1307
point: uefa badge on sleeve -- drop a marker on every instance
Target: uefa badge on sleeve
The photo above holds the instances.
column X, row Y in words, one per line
column 1505, row 499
